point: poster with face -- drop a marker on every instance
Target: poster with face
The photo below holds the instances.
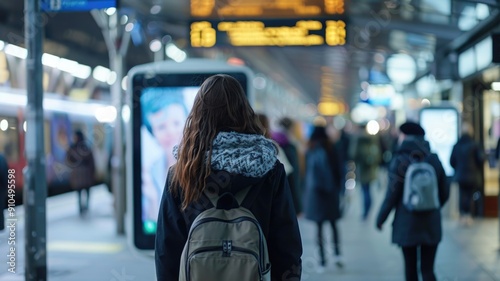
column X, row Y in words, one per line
column 164, row 112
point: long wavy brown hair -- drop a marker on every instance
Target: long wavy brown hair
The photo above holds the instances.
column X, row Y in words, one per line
column 219, row 105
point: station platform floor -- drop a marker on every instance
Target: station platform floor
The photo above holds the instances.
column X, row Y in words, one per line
column 83, row 249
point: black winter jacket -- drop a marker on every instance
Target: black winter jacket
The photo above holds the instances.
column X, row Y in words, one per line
column 270, row 201
column 467, row 159
column 412, row 228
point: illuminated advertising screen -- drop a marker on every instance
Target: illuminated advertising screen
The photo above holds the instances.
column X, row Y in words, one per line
column 161, row 99
column 441, row 125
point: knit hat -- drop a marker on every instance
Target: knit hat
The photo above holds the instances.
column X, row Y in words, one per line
column 412, row 128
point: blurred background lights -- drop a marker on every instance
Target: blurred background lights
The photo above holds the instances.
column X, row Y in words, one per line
column 124, row 82
column 155, row 9
column 259, row 82
column 124, row 19
column 495, row 86
column 155, row 45
column 339, row 122
column 106, row 114
column 110, row 11
column 175, row 53
column 126, row 113
column 4, row 125
column 129, row 27
column 385, row 124
column 350, row 184
column 426, row 102
column 372, row 127
column 401, row 68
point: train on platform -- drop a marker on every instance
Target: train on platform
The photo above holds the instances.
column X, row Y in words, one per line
column 62, row 116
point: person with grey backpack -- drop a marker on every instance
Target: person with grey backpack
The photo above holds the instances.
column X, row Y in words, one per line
column 417, row 191
column 227, row 211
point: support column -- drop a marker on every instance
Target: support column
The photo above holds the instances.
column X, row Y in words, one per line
column 35, row 184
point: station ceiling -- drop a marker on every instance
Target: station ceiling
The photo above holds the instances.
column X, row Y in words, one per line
column 376, row 29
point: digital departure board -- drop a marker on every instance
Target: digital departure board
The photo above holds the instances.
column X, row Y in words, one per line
column 205, row 34
column 231, row 9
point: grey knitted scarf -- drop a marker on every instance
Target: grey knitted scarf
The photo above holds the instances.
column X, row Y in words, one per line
column 246, row 154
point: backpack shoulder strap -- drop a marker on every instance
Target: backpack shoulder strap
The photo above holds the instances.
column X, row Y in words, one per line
column 240, row 196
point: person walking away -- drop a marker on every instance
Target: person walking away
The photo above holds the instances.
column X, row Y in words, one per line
column 467, row 159
column 365, row 151
column 4, row 183
column 80, row 160
column 223, row 152
column 417, row 219
column 264, row 121
column 323, row 182
column 282, row 138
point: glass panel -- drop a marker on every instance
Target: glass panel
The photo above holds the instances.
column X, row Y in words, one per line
column 491, row 116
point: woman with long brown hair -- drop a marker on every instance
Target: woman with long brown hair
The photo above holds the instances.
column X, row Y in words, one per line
column 223, row 149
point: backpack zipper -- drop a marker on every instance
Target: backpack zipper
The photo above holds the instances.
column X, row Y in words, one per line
column 217, row 249
column 237, row 220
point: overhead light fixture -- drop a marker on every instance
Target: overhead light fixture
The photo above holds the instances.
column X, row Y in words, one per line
column 50, row 60
column 67, row 65
column 60, row 105
column 495, row 86
column 16, row 51
column 101, row 73
column 82, row 71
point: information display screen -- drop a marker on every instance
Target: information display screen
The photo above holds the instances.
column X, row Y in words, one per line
column 161, row 100
column 218, row 9
column 303, row 32
column 441, row 125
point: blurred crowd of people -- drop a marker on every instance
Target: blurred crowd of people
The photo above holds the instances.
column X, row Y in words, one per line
column 326, row 161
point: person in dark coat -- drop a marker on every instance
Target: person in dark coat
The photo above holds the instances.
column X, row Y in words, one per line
column 80, row 160
column 4, row 184
column 365, row 152
column 291, row 152
column 223, row 149
column 414, row 231
column 467, row 159
column 322, row 182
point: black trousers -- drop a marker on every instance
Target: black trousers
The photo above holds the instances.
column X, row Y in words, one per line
column 425, row 255
column 83, row 200
column 465, row 198
column 321, row 241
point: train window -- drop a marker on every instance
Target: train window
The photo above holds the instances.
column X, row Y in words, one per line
column 9, row 138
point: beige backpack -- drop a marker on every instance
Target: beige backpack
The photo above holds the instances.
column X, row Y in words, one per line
column 225, row 243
